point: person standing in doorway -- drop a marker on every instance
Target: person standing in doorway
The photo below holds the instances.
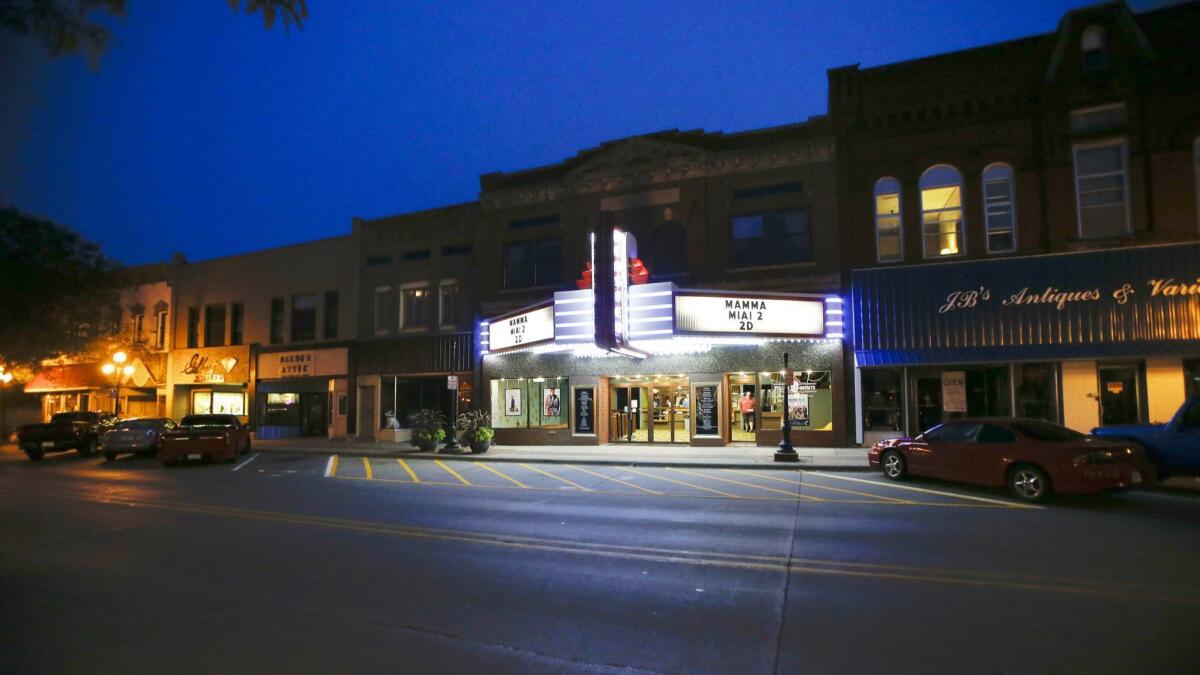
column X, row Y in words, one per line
column 746, row 405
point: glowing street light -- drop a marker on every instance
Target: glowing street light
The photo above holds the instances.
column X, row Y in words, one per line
column 115, row 369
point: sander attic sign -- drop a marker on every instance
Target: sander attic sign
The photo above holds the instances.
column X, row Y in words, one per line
column 521, row 330
column 760, row 315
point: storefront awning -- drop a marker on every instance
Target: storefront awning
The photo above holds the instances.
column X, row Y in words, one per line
column 72, row 377
column 902, row 357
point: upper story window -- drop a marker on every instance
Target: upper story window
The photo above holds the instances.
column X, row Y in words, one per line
column 533, row 263
column 414, row 307
column 383, row 304
column 941, row 212
column 136, row 329
column 304, row 317
column 1102, row 189
column 160, row 330
column 889, row 231
column 1099, row 119
column 214, row 325
column 536, row 221
column 193, row 327
column 330, row 329
column 276, row 321
column 999, row 204
column 668, row 249
column 1093, row 48
column 456, row 249
column 237, row 323
column 448, row 303
column 791, row 187
column 421, row 254
column 770, row 238
column 378, row 260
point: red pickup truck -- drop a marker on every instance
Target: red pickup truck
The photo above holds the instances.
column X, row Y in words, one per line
column 204, row 437
column 79, row 431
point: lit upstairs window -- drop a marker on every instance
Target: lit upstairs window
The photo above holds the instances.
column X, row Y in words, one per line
column 941, row 212
column 889, row 239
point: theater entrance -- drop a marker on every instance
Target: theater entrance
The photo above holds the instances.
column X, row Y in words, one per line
column 649, row 409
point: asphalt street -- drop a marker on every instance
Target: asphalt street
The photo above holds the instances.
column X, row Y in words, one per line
column 305, row 563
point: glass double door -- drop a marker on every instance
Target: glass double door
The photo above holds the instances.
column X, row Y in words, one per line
column 649, row 410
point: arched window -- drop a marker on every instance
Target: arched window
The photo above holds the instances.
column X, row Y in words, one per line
column 1093, row 48
column 941, row 212
column 889, row 238
column 668, row 249
column 999, row 204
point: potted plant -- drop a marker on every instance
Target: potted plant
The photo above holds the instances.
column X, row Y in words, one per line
column 428, row 428
column 476, row 428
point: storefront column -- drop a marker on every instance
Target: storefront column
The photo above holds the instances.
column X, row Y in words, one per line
column 1164, row 387
column 1081, row 407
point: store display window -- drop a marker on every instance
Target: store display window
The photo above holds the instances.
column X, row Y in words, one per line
column 219, row 403
column 810, row 401
column 530, row 403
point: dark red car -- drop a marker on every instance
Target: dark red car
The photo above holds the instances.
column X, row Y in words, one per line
column 204, row 437
column 1031, row 457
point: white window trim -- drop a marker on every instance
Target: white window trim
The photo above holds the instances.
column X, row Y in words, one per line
column 411, row 286
column 899, row 216
column 375, row 309
column 1012, row 205
column 962, row 208
column 441, row 314
column 1124, row 143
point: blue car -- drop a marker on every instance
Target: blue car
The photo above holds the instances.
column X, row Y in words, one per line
column 1173, row 448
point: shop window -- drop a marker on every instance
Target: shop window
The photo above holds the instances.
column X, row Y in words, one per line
column 414, row 307
column 533, row 263
column 889, row 239
column 448, row 304
column 1101, row 189
column 219, row 403
column 282, row 410
column 214, row 325
column 810, row 400
column 537, row 403
column 330, row 330
column 193, row 327
column 668, row 249
column 136, row 329
column 237, row 323
column 276, row 321
column 400, row 397
column 883, row 400
column 383, row 304
column 160, row 331
column 304, row 317
column 1037, row 391
column 770, row 238
column 1191, row 377
column 941, row 212
column 999, row 208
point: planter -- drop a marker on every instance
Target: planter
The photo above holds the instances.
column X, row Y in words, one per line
column 425, row 444
column 480, row 447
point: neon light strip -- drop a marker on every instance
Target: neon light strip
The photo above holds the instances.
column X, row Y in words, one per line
column 573, row 312
column 651, row 319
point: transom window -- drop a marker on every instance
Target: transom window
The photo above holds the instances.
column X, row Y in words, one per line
column 1101, row 188
column 999, row 208
column 941, row 212
column 771, row 238
column 889, row 238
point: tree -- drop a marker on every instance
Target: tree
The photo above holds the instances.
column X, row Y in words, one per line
column 68, row 27
column 58, row 292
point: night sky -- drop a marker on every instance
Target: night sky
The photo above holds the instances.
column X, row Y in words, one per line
column 203, row 133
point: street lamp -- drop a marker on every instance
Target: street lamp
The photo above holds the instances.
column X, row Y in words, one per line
column 116, row 370
column 786, row 453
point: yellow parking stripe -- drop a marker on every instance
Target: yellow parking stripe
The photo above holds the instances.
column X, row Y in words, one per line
column 411, row 473
column 730, row 495
column 452, row 472
column 745, row 484
column 615, row 480
column 810, row 484
column 502, row 475
column 565, row 480
column 1011, row 505
column 367, row 468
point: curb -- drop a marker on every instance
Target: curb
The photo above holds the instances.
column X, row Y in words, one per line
column 464, row 457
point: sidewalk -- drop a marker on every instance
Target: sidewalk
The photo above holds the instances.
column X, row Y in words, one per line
column 842, row 459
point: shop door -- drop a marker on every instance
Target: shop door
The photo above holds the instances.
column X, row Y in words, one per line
column 312, row 414
column 929, row 402
column 669, row 412
column 1120, row 395
column 629, row 415
column 366, row 411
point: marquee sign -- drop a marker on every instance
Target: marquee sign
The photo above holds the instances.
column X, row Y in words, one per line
column 766, row 315
column 524, row 329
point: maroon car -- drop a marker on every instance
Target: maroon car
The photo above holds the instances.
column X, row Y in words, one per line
column 1030, row 457
column 204, row 437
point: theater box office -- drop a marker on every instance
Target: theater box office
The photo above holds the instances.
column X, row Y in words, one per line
column 302, row 393
column 209, row 380
column 1084, row 339
column 689, row 367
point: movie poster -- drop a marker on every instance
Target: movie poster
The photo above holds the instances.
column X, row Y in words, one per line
column 512, row 402
column 551, row 403
column 798, row 409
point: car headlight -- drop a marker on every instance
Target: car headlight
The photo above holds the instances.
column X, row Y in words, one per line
column 1096, row 457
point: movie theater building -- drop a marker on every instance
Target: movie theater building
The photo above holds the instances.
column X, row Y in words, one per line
column 655, row 363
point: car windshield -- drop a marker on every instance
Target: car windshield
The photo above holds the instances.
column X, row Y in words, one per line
column 1046, row 431
column 132, row 425
column 194, row 421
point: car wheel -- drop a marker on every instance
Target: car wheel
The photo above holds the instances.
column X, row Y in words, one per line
column 233, row 455
column 35, row 455
column 110, row 456
column 87, row 449
column 1028, row 483
column 893, row 465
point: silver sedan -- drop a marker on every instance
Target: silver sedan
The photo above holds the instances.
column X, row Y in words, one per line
column 137, row 435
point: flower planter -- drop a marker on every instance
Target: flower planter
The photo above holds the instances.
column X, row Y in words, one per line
column 425, row 444
column 480, row 447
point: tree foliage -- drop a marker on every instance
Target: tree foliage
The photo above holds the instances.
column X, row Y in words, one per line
column 58, row 292
column 68, row 27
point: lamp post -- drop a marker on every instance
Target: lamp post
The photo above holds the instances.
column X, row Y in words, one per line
column 115, row 369
column 786, row 453
column 5, row 378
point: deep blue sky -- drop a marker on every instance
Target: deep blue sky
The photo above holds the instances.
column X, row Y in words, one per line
column 203, row 133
